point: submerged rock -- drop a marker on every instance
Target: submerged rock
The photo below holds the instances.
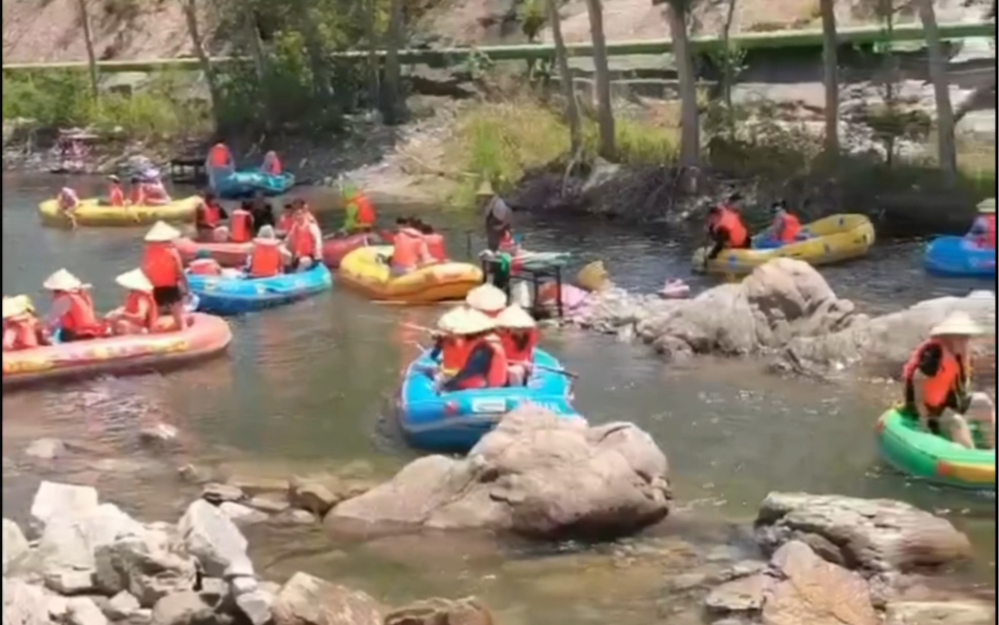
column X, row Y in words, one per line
column 308, row 600
column 872, row 535
column 466, row 611
column 536, row 474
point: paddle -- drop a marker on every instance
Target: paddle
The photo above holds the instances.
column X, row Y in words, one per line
column 565, row 372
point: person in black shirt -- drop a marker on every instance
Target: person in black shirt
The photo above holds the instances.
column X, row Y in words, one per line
column 263, row 212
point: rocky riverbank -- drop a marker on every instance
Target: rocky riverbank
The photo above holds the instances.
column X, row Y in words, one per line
column 821, row 560
column 785, row 311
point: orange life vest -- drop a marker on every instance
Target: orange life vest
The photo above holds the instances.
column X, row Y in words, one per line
column 265, row 259
column 134, row 306
column 435, row 245
column 80, row 318
column 497, row 375
column 988, row 240
column 138, row 195
column 211, row 214
column 301, row 241
column 241, row 226
column 116, row 196
column 204, row 267
column 787, row 228
column 738, row 235
column 161, row 264
column 951, row 377
column 366, row 215
column 454, row 354
column 285, row 222
column 219, row 156
column 25, row 333
column 516, row 355
column 406, row 249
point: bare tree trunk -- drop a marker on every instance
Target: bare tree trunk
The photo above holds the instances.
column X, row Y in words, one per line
column 946, row 146
column 391, row 109
column 605, row 112
column 91, row 55
column 830, row 66
column 371, row 34
column 690, row 124
column 727, row 76
column 191, row 16
column 568, row 90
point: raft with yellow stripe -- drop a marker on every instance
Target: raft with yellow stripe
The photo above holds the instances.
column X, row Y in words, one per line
column 366, row 270
column 906, row 446
column 830, row 240
column 92, row 213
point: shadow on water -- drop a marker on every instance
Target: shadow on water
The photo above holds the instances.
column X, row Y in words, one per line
column 308, row 385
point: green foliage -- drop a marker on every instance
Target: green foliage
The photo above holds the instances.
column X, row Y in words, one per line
column 532, row 19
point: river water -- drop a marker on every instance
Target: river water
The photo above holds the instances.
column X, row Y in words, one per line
column 305, row 388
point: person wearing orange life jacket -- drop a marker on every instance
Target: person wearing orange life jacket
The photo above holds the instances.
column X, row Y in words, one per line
column 519, row 333
column 305, row 240
column 487, row 299
column 287, row 218
column 154, row 192
column 409, row 250
column 435, row 243
column 983, row 230
column 241, row 224
column 268, row 256
column 726, row 229
column 485, row 365
column 163, row 266
column 139, row 314
column 72, row 310
column 21, row 326
column 137, row 192
column 937, row 384
column 272, row 164
column 786, row 226
column 360, row 214
column 116, row 195
column 209, row 216
column 218, row 163
column 204, row 265
column 450, row 349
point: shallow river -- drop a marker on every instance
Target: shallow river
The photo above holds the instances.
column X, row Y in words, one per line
column 304, row 387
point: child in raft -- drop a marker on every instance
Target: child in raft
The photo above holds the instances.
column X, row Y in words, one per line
column 21, row 327
column 139, row 314
column 518, row 332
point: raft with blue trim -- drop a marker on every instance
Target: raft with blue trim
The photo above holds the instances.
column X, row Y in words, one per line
column 245, row 184
column 829, row 240
column 454, row 422
column 222, row 295
column 958, row 257
column 906, row 446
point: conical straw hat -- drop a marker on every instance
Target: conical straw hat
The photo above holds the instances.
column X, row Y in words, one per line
column 485, row 189
column 486, row 298
column 471, row 321
column 516, row 318
column 135, row 280
column 62, row 280
column 958, row 323
column 162, row 232
column 446, row 323
column 987, row 206
column 15, row 306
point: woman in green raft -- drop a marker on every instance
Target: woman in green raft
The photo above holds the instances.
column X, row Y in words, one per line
column 943, row 432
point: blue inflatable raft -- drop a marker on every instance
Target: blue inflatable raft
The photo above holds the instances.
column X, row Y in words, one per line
column 454, row 422
column 244, row 184
column 956, row 256
column 232, row 296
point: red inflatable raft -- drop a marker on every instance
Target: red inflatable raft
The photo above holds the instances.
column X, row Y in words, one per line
column 206, row 336
column 336, row 248
column 226, row 254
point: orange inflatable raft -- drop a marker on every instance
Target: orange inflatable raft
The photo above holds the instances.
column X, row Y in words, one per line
column 205, row 336
column 225, row 253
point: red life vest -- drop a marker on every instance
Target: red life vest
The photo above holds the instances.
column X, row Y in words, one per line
column 435, row 246
column 24, row 331
column 80, row 318
column 406, row 249
column 988, row 240
column 116, row 196
column 454, row 354
column 738, row 235
column 366, row 215
column 285, row 222
column 498, row 374
column 138, row 196
column 204, row 267
column 787, row 228
column 951, row 377
column 265, row 259
column 241, row 226
column 211, row 214
column 161, row 264
column 220, row 157
column 301, row 240
column 135, row 301
column 516, row 355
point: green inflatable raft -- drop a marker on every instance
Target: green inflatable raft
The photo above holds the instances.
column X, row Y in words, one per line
column 912, row 450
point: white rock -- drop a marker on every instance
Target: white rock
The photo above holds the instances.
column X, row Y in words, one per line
column 212, row 538
column 58, row 607
column 256, row 605
column 83, row 611
column 121, row 606
column 45, row 449
column 149, row 567
column 242, row 515
column 57, row 499
column 243, row 585
column 23, row 603
column 15, row 545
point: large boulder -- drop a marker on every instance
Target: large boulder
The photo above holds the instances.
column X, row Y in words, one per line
column 54, row 499
column 23, row 603
column 308, row 600
column 872, row 535
column 537, row 475
column 215, row 540
column 149, row 565
column 15, row 545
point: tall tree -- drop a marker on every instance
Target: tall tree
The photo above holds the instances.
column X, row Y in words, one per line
column 88, row 40
column 605, row 112
column 568, row 89
column 946, row 144
column 190, row 8
column 830, row 74
column 690, row 124
column 370, row 20
column 392, row 110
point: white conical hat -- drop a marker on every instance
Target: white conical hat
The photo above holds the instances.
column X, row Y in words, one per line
column 467, row 321
column 486, row 298
column 62, row 280
column 516, row 318
column 162, row 232
column 987, row 206
column 14, row 306
column 135, row 280
column 958, row 323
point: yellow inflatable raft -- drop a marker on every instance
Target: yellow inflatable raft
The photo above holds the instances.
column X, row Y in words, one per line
column 832, row 239
column 366, row 270
column 92, row 213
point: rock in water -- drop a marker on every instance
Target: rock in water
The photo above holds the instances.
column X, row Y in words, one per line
column 213, row 538
column 46, row 449
column 939, row 613
column 536, row 474
column 466, row 611
column 15, row 545
column 874, row 535
column 64, row 500
column 308, row 600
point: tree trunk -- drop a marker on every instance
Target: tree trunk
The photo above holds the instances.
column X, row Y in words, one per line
column 191, row 16
column 371, row 34
column 315, row 51
column 690, row 130
column 728, row 59
column 946, row 148
column 830, row 74
column 605, row 113
column 91, row 55
column 391, row 108
column 568, row 89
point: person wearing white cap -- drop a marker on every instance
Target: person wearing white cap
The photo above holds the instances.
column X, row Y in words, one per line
column 163, row 267
column 21, row 327
column 139, row 314
column 938, row 384
column 983, row 230
column 484, row 361
column 486, row 299
column 519, row 333
column 72, row 310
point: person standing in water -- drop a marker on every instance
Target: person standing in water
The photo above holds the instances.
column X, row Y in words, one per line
column 497, row 214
